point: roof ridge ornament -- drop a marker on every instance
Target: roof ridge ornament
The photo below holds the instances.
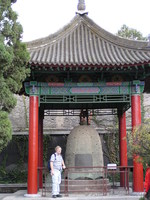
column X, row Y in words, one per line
column 81, row 8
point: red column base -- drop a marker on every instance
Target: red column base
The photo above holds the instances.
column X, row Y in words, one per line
column 138, row 185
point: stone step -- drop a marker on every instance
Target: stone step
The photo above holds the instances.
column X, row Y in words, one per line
column 82, row 187
column 85, row 182
column 75, row 186
column 90, row 188
column 10, row 188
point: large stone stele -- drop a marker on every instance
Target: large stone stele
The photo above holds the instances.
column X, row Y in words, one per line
column 84, row 149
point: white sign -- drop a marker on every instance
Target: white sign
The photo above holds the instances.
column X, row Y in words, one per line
column 112, row 166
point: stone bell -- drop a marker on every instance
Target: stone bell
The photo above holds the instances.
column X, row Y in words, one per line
column 84, row 149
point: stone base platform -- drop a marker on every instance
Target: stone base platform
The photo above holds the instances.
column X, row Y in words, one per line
column 19, row 195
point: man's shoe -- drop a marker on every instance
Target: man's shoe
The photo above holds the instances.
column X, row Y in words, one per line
column 54, row 196
column 58, row 195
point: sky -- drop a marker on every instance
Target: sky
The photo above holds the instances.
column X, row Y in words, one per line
column 41, row 18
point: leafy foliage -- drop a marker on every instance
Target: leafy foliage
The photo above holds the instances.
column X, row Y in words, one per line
column 139, row 141
column 13, row 61
column 18, row 172
column 5, row 130
column 15, row 171
column 130, row 33
column 13, row 176
column 111, row 140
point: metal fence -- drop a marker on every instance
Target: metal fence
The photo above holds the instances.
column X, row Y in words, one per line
column 80, row 180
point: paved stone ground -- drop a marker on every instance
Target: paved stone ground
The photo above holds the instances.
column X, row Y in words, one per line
column 19, row 195
column 2, row 195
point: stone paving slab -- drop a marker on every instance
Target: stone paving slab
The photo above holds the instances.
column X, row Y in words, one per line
column 20, row 196
column 2, row 195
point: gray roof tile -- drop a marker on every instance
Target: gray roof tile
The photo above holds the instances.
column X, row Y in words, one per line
column 82, row 42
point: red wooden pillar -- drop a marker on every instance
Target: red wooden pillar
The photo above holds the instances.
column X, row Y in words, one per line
column 40, row 147
column 136, row 120
column 33, row 146
column 123, row 148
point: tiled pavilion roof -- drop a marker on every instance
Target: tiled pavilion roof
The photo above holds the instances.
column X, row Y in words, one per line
column 84, row 43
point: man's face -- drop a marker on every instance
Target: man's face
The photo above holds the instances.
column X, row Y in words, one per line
column 58, row 151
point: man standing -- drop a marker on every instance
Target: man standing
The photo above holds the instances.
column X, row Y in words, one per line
column 56, row 164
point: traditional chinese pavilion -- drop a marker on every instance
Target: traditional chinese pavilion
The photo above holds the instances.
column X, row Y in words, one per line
column 83, row 66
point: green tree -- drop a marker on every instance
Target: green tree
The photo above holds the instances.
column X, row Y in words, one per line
column 5, row 129
column 139, row 141
column 130, row 33
column 13, row 62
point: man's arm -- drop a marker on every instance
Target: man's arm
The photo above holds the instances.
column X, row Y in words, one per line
column 52, row 168
column 63, row 164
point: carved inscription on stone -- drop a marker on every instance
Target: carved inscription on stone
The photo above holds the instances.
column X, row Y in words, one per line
column 83, row 160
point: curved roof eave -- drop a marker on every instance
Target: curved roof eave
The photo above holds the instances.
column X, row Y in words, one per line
column 83, row 42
